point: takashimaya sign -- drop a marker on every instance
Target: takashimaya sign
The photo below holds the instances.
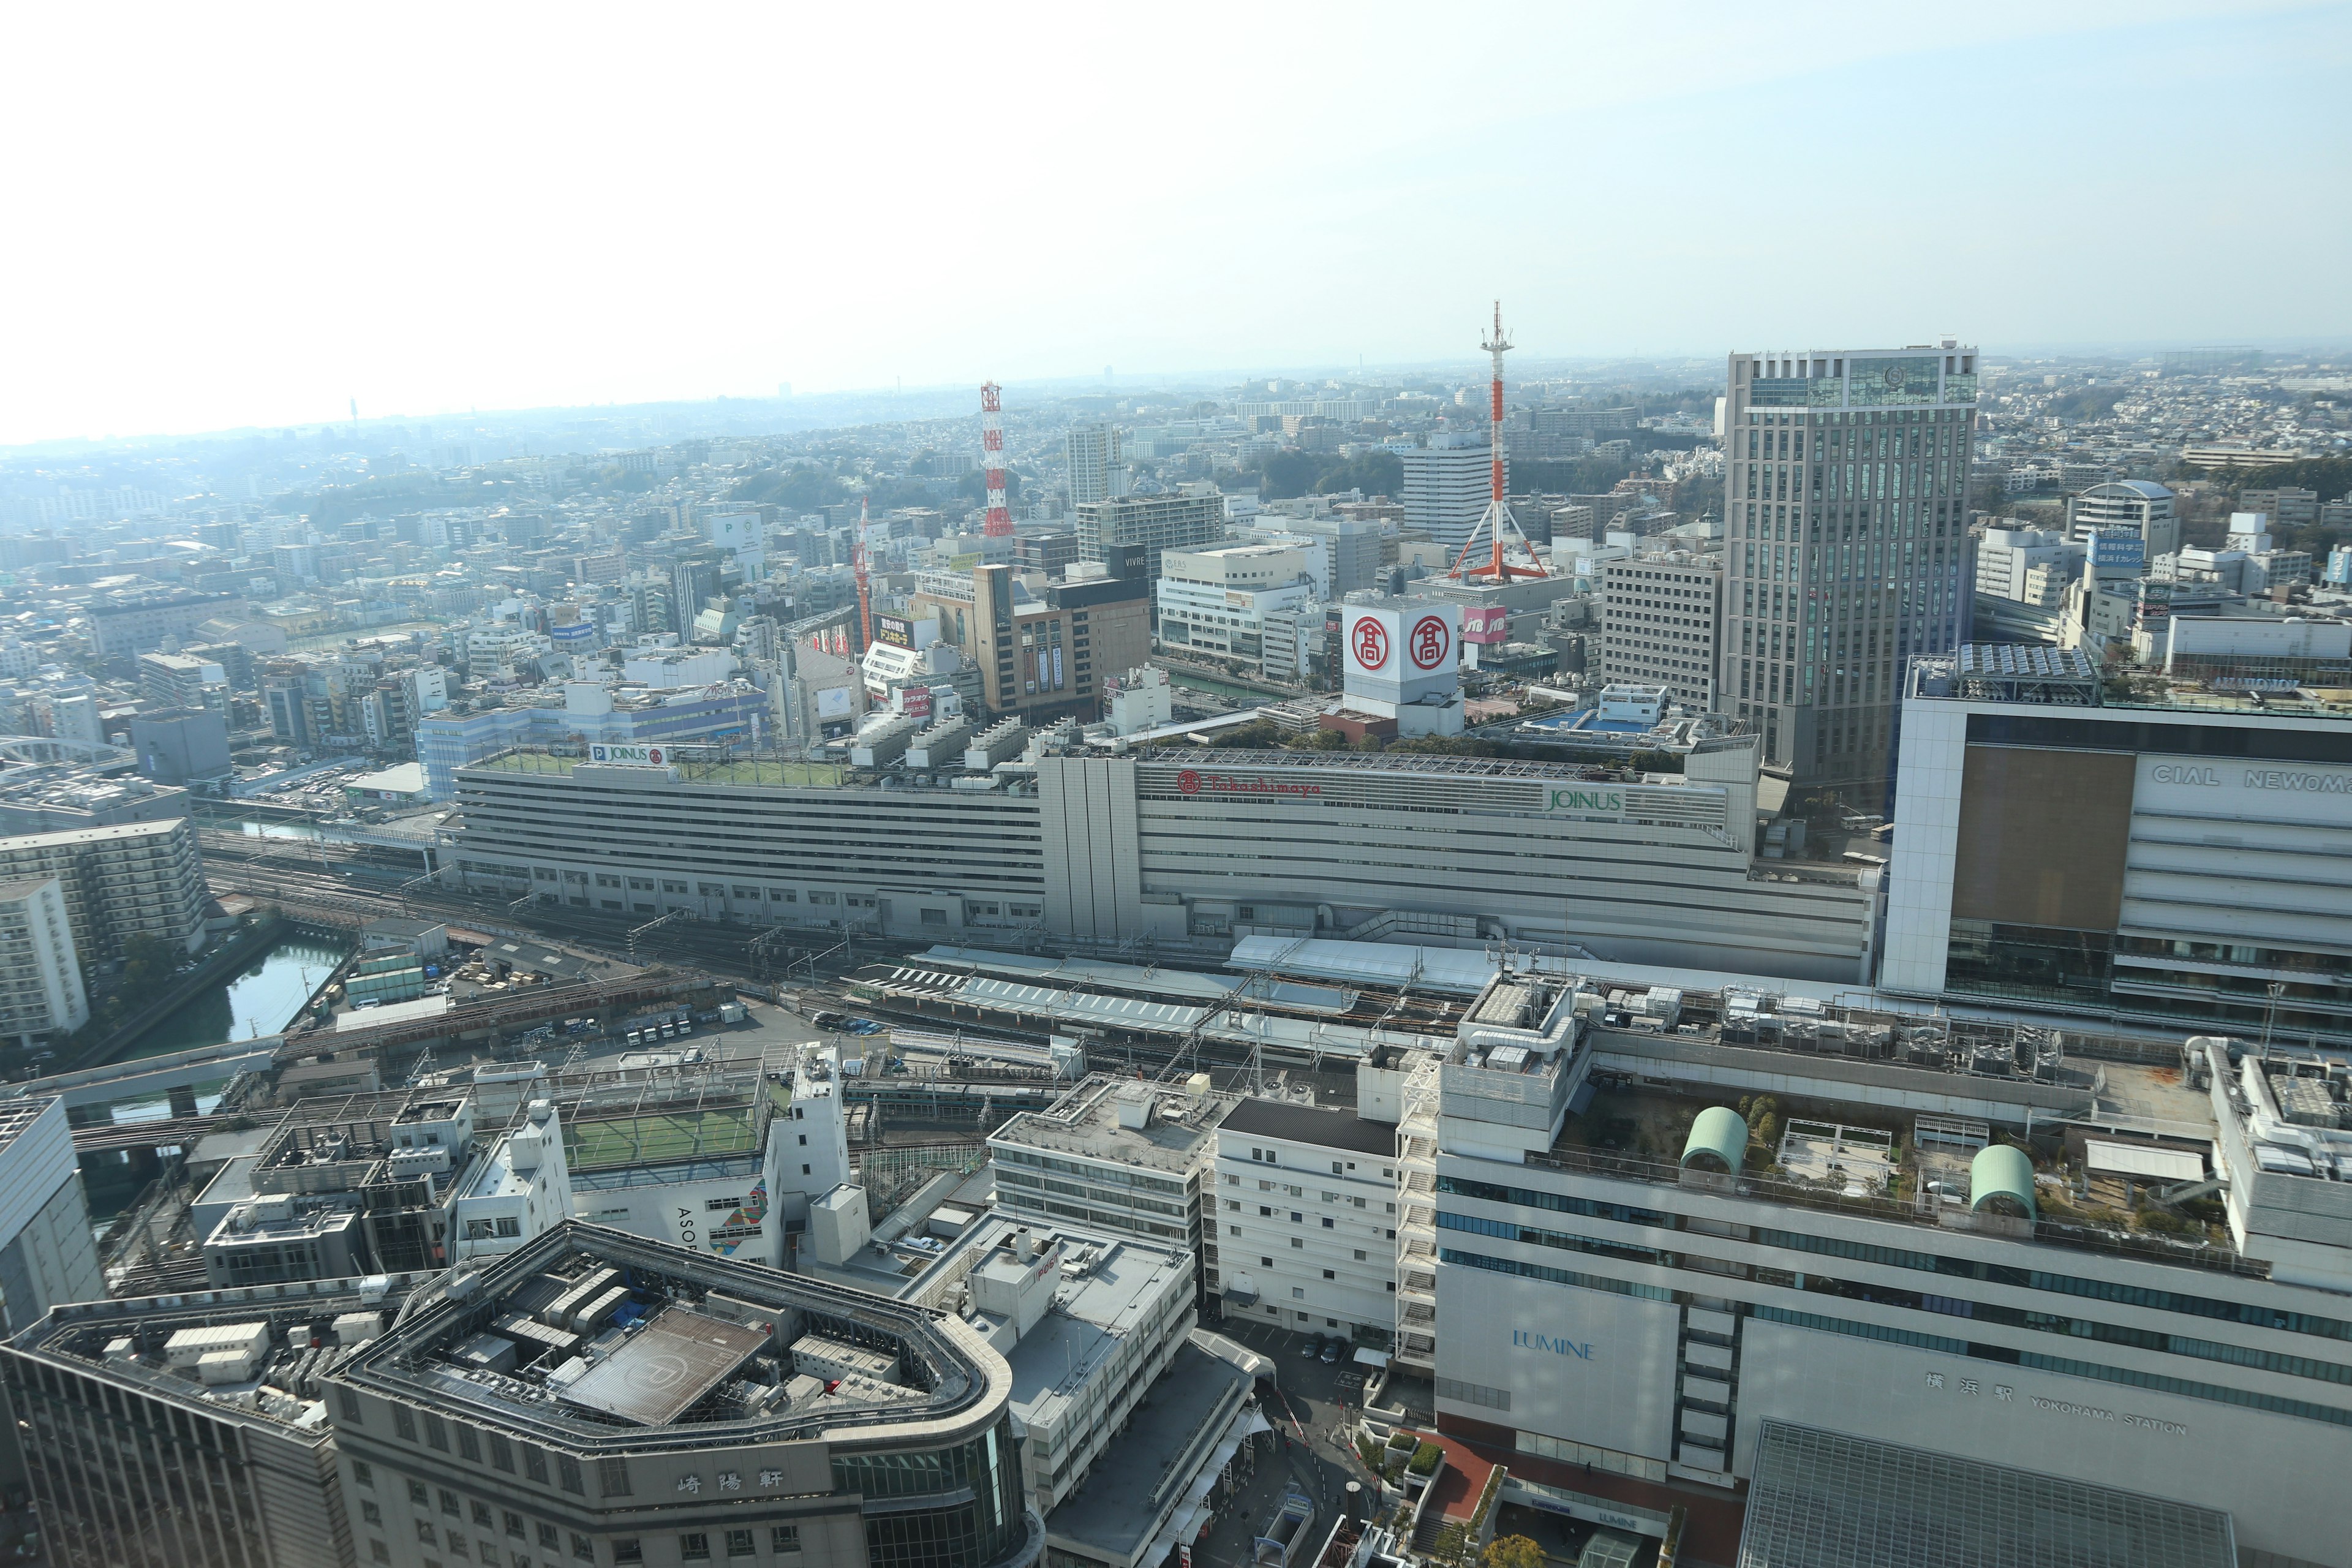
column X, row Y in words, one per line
column 1193, row 782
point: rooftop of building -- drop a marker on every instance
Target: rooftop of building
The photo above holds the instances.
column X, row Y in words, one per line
column 1404, row 763
column 16, row 1115
column 119, row 833
column 1119, row 1501
column 1325, row 1128
column 306, row 1330
column 1880, row 1145
column 2029, row 675
column 1091, row 1121
column 599, row 1340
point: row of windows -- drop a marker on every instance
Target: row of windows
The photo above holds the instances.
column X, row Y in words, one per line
column 1955, row 1268
column 2002, row 1354
column 1918, row 1301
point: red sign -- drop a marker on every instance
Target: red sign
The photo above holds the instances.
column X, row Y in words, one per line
column 1372, row 643
column 915, row 702
column 1430, row 643
column 1484, row 624
column 1191, row 782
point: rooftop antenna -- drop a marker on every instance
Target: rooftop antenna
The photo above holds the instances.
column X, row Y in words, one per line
column 991, row 457
column 1497, row 521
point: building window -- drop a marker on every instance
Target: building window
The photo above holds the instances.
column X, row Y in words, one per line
column 450, row 1505
column 418, row 1496
column 1328, row 1274
column 1298, row 1293
column 371, row 1512
column 1297, row 1242
column 613, row 1477
column 583, row 1547
column 516, row 1528
column 694, row 1547
column 739, row 1543
column 350, row 1404
column 362, row 1471
column 628, row 1548
column 548, row 1537
column 785, row 1538
column 403, row 1421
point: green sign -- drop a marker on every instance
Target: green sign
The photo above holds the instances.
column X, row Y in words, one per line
column 1611, row 801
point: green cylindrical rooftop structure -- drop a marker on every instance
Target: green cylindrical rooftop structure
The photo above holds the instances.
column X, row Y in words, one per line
column 1719, row 1141
column 2001, row 1175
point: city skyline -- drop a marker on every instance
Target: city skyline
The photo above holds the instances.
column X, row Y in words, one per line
column 225, row 273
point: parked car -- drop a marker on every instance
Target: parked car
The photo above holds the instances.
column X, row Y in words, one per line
column 824, row 1020
column 1331, row 1350
column 1313, row 1347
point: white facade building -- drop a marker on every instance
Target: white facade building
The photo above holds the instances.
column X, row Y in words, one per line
column 1660, row 617
column 1216, row 601
column 1447, row 485
column 1094, row 458
column 41, row 991
column 1901, row 1264
column 1306, row 1215
column 47, row 1255
column 2141, row 507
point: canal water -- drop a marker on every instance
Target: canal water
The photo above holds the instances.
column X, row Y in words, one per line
column 260, row 999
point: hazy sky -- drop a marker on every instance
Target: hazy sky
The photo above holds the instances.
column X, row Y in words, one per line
column 218, row 217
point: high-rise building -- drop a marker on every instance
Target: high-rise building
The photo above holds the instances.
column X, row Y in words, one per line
column 1171, row 520
column 1094, row 458
column 41, row 989
column 2136, row 505
column 1659, row 620
column 47, row 1254
column 1446, row 486
column 135, row 877
column 1844, row 546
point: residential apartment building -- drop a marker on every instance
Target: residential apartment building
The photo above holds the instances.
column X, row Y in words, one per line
column 143, row 877
column 2136, row 505
column 1174, row 520
column 1447, row 487
column 41, row 989
column 1307, row 1219
column 1217, row 600
column 178, row 680
column 1093, row 450
column 1660, row 619
column 1845, row 548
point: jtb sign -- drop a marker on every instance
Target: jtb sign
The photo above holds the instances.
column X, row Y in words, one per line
column 1555, row 1345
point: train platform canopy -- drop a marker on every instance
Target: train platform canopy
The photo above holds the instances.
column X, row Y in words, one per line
column 1176, row 984
column 1824, row 1499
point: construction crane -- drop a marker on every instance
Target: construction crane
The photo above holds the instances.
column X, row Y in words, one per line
column 1511, row 555
column 860, row 568
column 991, row 458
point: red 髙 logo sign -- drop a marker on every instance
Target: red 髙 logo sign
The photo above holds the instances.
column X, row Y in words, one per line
column 1188, row 783
column 1429, row 642
column 1372, row 643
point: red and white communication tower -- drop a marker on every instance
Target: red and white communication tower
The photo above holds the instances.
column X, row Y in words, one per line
column 861, row 568
column 991, row 458
column 1511, row 555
